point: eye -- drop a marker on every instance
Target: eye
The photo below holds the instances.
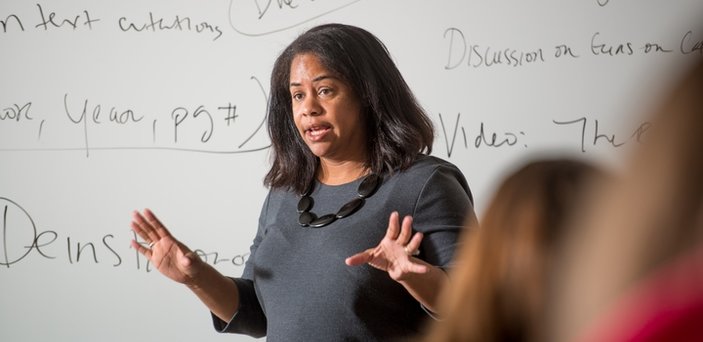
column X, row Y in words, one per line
column 297, row 96
column 324, row 91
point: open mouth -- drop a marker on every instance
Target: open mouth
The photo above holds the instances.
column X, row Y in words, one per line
column 317, row 132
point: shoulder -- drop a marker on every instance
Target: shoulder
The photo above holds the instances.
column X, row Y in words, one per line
column 275, row 198
column 433, row 169
column 433, row 174
column 428, row 164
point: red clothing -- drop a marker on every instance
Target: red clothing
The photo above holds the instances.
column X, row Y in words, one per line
column 666, row 306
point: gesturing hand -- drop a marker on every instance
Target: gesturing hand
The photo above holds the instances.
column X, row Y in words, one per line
column 394, row 253
column 172, row 258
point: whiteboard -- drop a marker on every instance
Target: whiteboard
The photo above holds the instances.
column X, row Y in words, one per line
column 112, row 107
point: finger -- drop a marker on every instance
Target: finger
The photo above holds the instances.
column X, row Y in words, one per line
column 393, row 226
column 418, row 268
column 359, row 258
column 381, row 264
column 406, row 230
column 414, row 243
column 149, row 233
column 160, row 229
column 137, row 228
column 141, row 249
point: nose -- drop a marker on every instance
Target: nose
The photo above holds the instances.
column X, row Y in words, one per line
column 310, row 106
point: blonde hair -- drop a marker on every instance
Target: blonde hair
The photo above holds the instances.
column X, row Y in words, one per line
column 643, row 221
column 498, row 283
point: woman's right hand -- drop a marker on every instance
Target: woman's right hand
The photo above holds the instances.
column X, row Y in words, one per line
column 172, row 258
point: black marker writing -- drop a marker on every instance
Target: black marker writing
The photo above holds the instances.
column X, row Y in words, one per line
column 483, row 138
column 20, row 238
column 15, row 217
column 11, row 19
column 564, row 50
column 231, row 113
column 180, row 114
column 598, row 136
column 177, row 125
column 117, row 256
column 689, row 45
column 249, row 20
column 654, row 47
column 178, row 23
column 495, row 140
column 41, row 128
column 19, row 114
column 26, row 236
column 281, row 4
column 450, row 146
column 263, row 121
column 460, row 52
column 213, row 258
column 82, row 119
column 598, row 48
column 16, row 113
column 94, row 114
column 79, row 250
column 207, row 132
column 38, row 245
column 51, row 21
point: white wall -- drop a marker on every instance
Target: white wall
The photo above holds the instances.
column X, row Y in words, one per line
column 68, row 182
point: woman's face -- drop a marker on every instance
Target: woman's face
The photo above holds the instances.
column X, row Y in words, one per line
column 326, row 111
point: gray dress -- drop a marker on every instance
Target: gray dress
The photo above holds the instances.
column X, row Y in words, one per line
column 296, row 286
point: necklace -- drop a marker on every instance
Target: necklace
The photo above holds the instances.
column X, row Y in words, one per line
column 308, row 219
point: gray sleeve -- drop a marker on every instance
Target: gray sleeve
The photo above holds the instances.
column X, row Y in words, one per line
column 250, row 318
column 443, row 210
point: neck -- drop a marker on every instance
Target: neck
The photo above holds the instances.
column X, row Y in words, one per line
column 336, row 173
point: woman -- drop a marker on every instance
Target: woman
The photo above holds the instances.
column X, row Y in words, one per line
column 500, row 280
column 348, row 139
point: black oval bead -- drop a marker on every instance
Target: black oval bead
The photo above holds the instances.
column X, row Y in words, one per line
column 305, row 218
column 369, row 185
column 308, row 191
column 350, row 207
column 305, row 204
column 323, row 221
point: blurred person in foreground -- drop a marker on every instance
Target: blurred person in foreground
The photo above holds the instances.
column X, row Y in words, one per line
column 635, row 272
column 499, row 282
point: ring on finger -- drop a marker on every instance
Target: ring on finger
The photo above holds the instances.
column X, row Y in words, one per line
column 151, row 244
column 411, row 252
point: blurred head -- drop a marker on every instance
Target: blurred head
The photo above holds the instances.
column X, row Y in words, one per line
column 395, row 128
column 648, row 218
column 499, row 280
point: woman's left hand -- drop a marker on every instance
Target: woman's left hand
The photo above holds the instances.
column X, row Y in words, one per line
column 394, row 253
